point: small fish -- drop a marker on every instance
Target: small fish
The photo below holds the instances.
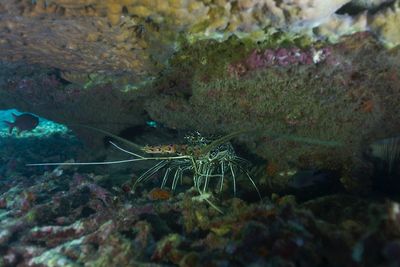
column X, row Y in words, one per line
column 23, row 122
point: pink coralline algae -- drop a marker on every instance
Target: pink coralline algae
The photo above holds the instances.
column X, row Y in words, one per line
column 99, row 193
column 55, row 234
column 280, row 57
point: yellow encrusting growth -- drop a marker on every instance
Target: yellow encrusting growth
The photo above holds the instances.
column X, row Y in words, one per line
column 217, row 17
column 114, row 11
column 386, row 25
column 139, row 36
column 221, row 18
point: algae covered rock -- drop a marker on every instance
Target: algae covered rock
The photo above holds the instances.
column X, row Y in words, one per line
column 319, row 114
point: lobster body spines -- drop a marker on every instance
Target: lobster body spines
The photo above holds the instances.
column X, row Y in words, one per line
column 160, row 149
column 182, row 150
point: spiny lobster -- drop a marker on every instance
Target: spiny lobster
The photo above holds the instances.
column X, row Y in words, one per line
column 207, row 160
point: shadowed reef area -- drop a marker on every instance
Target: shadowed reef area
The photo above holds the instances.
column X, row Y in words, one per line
column 230, row 133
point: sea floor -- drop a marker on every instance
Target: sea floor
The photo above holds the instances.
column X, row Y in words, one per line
column 66, row 217
column 70, row 216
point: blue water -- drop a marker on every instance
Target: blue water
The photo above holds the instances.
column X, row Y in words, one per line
column 45, row 127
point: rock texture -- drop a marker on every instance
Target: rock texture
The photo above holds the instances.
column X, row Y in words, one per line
column 385, row 24
column 208, row 66
column 137, row 36
column 314, row 108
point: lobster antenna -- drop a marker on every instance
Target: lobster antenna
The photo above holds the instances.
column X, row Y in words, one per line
column 299, row 139
column 123, row 140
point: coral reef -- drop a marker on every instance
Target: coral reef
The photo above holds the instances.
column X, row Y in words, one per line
column 66, row 222
column 86, row 44
column 385, row 24
column 209, row 17
column 299, row 97
column 138, row 37
column 309, row 111
column 340, row 25
column 279, row 57
column 308, row 100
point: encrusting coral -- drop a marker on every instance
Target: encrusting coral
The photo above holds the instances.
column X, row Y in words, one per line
column 133, row 36
column 385, row 24
column 67, row 223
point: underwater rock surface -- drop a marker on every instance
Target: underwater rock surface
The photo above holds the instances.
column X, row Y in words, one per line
column 200, row 133
column 68, row 219
column 64, row 216
column 138, row 37
column 323, row 111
